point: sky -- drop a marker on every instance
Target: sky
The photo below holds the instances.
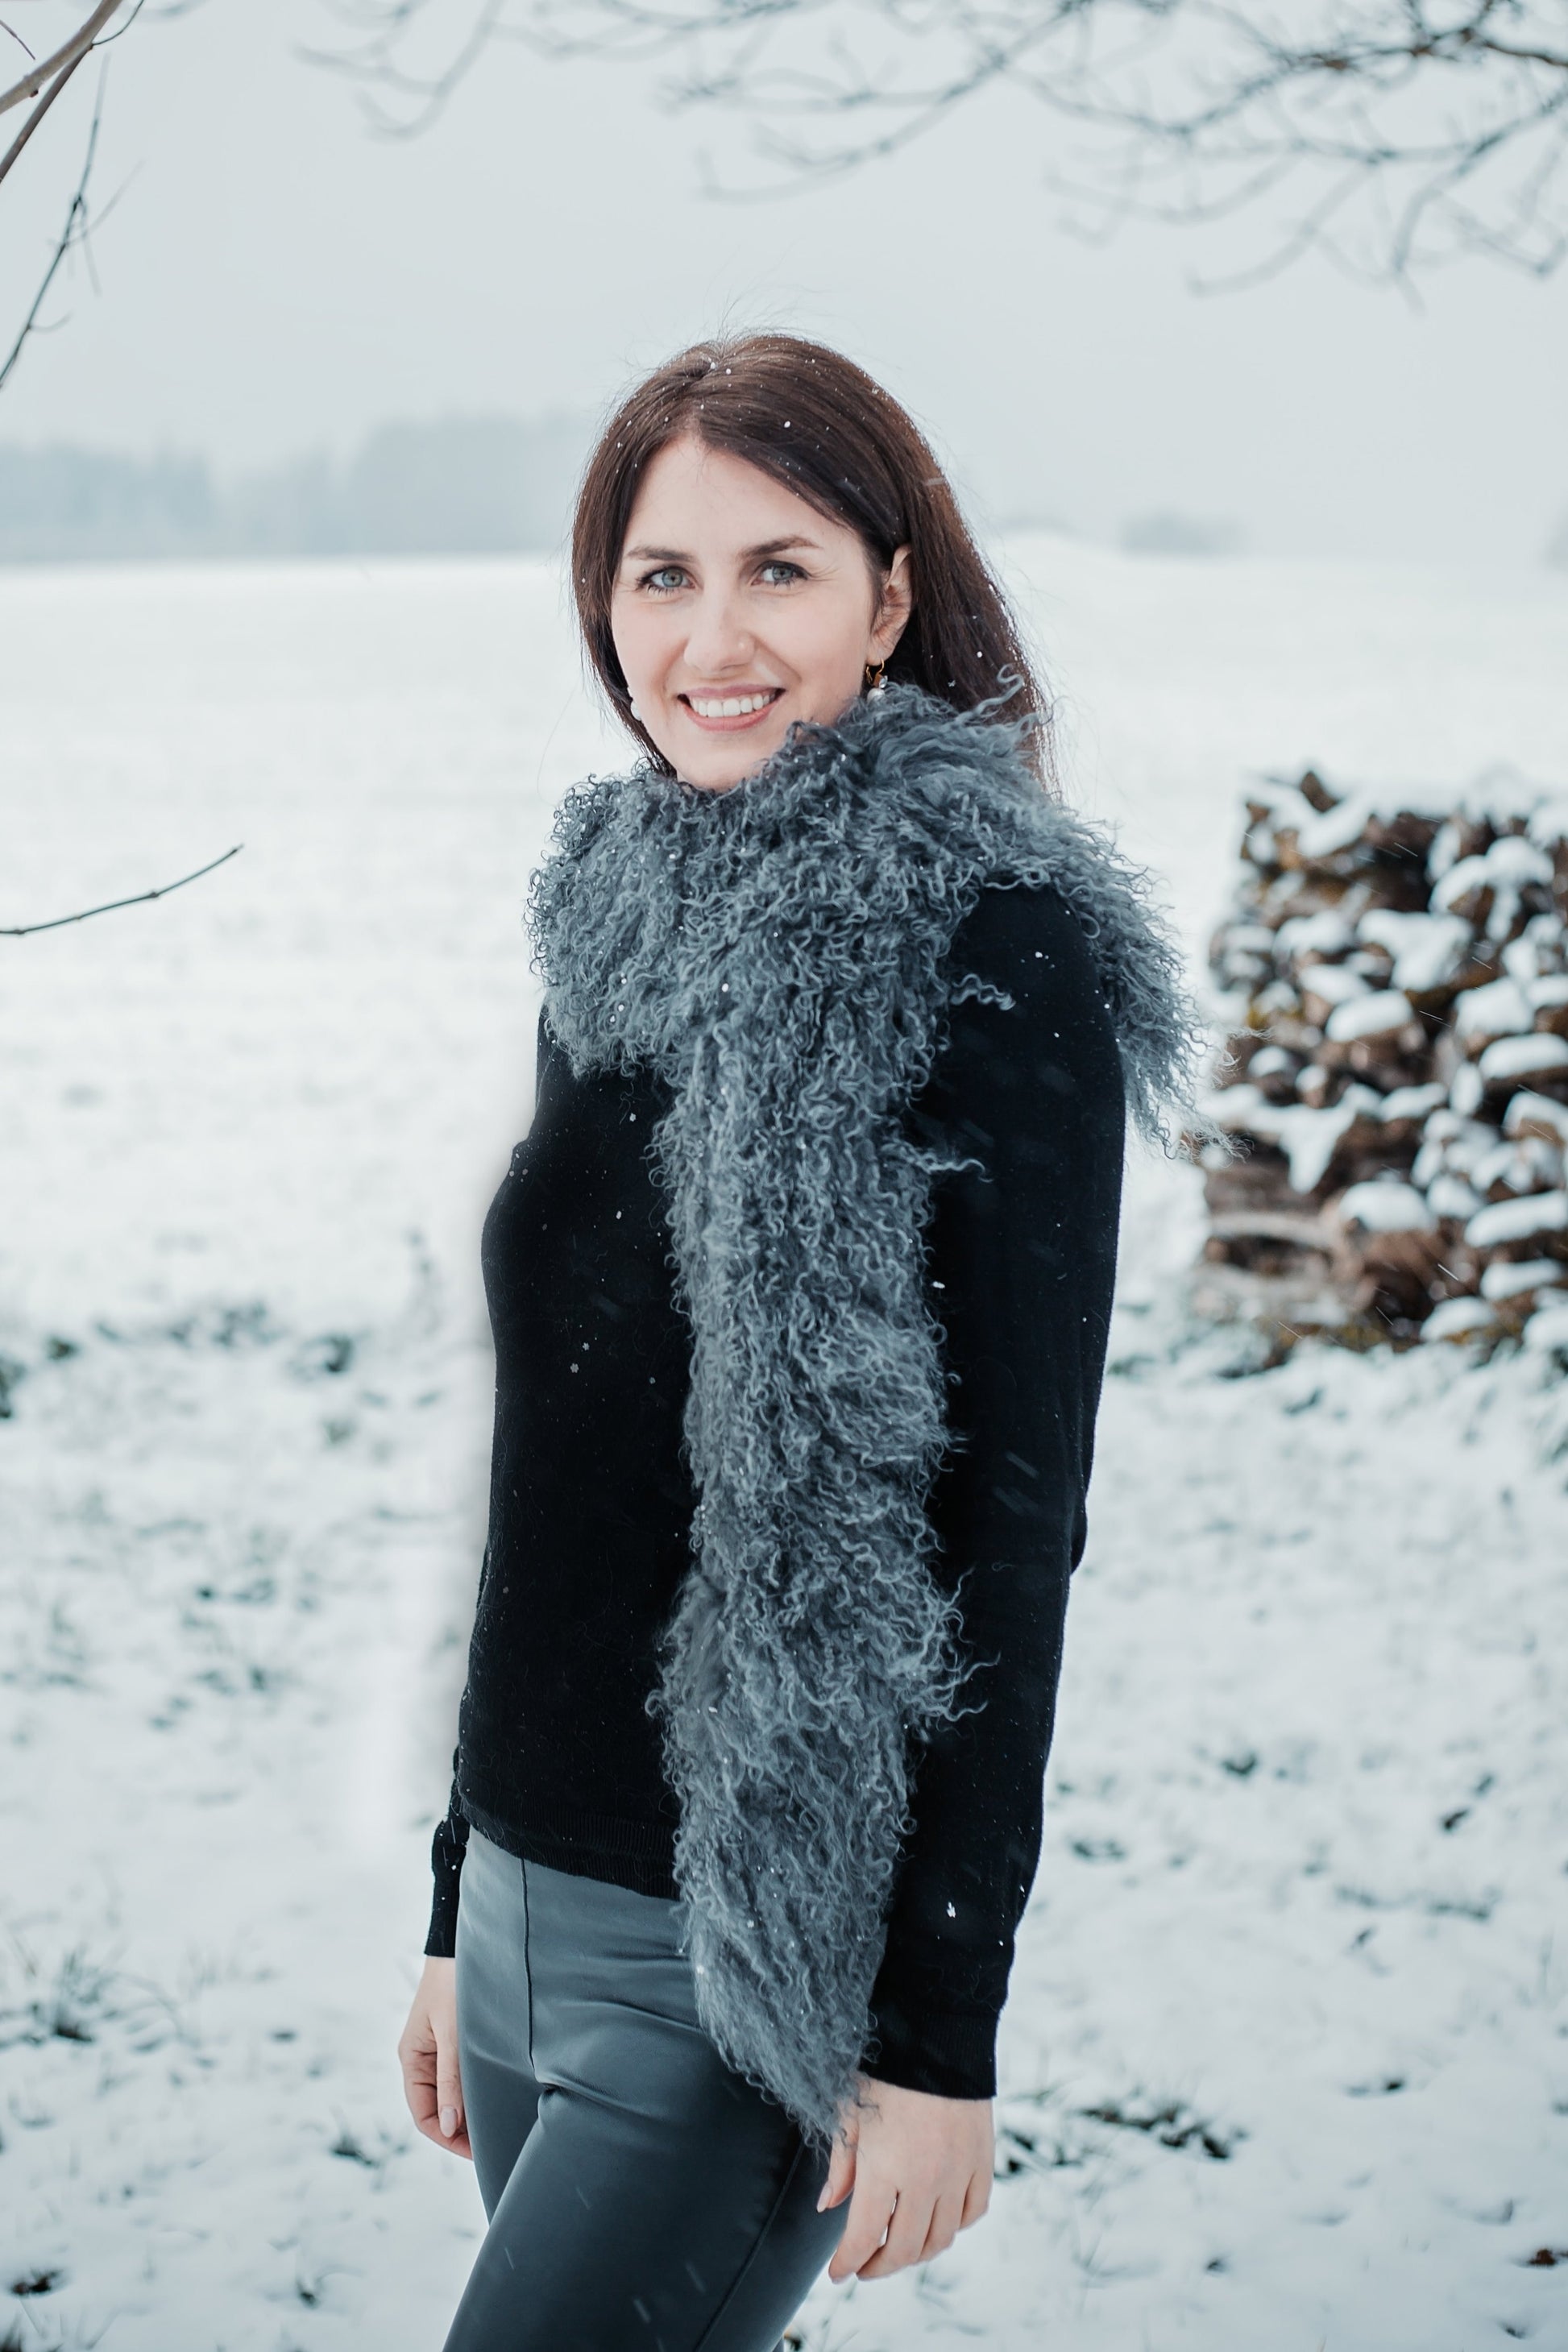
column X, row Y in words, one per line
column 274, row 279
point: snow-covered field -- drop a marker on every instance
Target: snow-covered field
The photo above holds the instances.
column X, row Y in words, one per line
column 1285, row 2067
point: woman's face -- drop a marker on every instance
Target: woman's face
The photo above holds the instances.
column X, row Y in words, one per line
column 739, row 609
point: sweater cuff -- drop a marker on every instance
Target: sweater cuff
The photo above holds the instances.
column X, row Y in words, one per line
column 441, row 1938
column 447, row 1850
column 950, row 2054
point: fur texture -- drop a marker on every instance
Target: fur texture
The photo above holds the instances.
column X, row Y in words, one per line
column 779, row 951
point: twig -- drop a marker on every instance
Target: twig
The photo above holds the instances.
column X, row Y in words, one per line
column 1416, row 133
column 39, row 112
column 25, row 931
column 73, row 232
column 80, row 41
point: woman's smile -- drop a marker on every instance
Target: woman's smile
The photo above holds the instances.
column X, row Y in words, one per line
column 727, row 710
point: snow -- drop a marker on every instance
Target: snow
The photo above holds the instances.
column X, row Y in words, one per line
column 1529, row 1114
column 1519, row 1057
column 1515, row 861
column 1467, row 1092
column 1325, row 933
column 1385, row 1207
column 1334, row 828
column 1511, row 1280
column 1307, row 1136
column 1498, row 1010
column 1369, row 1017
column 1427, row 949
column 1503, row 869
column 1459, row 1318
column 1285, row 2063
column 1333, row 984
column 1450, row 1196
column 1517, row 1221
column 1547, row 1330
column 1413, row 1102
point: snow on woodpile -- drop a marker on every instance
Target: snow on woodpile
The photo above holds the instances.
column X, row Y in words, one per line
column 1394, row 972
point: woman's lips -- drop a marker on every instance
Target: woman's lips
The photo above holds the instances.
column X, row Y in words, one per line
column 730, row 714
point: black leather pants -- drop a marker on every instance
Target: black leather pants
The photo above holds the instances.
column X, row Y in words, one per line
column 641, row 2197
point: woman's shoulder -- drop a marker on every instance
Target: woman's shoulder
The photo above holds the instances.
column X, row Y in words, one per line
column 1027, row 931
column 1026, row 1001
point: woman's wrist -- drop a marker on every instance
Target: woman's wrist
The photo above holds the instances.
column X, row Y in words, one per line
column 921, row 2046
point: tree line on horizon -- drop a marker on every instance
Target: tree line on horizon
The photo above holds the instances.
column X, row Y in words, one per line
column 456, row 486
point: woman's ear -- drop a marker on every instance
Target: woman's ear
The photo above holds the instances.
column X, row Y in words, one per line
column 892, row 614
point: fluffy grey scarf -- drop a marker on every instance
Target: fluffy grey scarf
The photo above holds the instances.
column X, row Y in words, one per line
column 779, row 952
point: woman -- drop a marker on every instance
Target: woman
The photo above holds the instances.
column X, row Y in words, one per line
column 800, row 1288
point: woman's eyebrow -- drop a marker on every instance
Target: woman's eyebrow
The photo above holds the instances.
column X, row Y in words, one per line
column 750, row 554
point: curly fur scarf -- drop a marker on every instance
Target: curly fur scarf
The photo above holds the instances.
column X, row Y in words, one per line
column 779, row 952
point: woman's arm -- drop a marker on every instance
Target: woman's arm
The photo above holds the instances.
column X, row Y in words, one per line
column 427, row 2049
column 450, row 1842
column 1021, row 1265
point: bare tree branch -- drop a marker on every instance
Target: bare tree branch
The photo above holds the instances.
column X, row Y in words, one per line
column 39, row 112
column 74, row 233
column 80, row 41
column 90, row 35
column 1407, row 132
column 25, row 930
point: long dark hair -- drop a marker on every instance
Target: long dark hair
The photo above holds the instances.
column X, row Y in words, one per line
column 817, row 423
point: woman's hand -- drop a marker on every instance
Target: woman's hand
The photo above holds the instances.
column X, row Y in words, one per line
column 427, row 2054
column 920, row 2170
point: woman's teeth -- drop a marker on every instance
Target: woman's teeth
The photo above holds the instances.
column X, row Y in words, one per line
column 733, row 706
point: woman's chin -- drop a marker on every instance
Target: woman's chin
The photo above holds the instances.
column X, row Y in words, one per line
column 716, row 762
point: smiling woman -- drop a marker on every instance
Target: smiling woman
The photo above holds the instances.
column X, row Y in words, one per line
column 800, row 1294
column 766, row 613
column 792, row 528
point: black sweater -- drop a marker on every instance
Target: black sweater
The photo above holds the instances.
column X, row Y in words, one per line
column 591, row 1498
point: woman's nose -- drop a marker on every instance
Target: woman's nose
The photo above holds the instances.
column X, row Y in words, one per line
column 718, row 639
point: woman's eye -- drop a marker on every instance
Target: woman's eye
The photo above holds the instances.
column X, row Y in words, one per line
column 666, row 579
column 779, row 574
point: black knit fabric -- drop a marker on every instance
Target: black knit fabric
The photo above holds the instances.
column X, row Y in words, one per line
column 591, row 1498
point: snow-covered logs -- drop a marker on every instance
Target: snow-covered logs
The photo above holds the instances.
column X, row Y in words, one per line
column 1396, row 967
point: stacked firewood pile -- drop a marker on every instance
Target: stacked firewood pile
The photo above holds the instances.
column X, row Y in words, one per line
column 1395, row 974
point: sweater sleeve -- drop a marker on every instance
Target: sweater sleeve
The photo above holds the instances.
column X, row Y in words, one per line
column 447, row 1850
column 450, row 1842
column 1021, row 1260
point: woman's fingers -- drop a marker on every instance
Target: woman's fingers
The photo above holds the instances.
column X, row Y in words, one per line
column 841, row 2177
column 416, row 2057
column 449, row 2113
column 448, row 2090
column 907, row 2234
column 871, row 2209
column 428, row 2053
column 946, row 2221
column 921, row 2166
column 977, row 2199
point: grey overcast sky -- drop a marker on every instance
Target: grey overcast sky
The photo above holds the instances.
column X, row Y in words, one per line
column 275, row 278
